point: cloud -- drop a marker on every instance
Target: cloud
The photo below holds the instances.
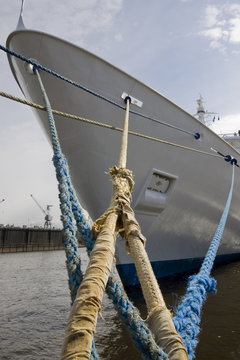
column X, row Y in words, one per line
column 73, row 22
column 218, row 36
column 234, row 36
column 211, row 16
column 221, row 25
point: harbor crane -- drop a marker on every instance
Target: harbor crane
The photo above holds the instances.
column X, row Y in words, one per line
column 48, row 217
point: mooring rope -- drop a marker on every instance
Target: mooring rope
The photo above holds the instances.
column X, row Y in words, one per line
column 70, row 242
column 93, row 122
column 141, row 335
column 188, row 313
column 130, row 315
column 67, row 204
column 74, row 83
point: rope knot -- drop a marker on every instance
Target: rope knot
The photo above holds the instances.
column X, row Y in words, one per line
column 120, row 174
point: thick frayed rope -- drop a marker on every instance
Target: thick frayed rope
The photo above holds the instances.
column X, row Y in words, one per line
column 70, row 206
column 142, row 336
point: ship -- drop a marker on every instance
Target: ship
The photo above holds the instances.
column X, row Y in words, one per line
column 182, row 169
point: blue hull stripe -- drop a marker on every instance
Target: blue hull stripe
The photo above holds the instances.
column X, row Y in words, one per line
column 162, row 269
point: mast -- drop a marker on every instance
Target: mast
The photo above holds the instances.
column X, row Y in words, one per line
column 203, row 115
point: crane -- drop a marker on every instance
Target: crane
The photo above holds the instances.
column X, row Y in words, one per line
column 48, row 217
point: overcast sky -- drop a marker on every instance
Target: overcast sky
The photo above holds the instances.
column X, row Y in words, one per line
column 181, row 48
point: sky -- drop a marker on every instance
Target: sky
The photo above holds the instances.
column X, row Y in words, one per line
column 181, row 48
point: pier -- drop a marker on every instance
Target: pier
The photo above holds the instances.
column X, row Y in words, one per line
column 19, row 239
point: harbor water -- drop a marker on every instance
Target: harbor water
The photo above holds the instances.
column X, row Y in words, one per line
column 35, row 305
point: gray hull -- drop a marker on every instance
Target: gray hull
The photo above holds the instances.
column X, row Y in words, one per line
column 179, row 195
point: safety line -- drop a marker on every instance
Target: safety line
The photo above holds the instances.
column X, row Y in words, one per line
column 39, row 66
column 93, row 122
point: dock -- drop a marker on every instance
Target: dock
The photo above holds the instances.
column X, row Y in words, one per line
column 27, row 239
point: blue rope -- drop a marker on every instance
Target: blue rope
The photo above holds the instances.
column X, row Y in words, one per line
column 74, row 83
column 73, row 261
column 141, row 335
column 67, row 205
column 83, row 221
column 188, row 313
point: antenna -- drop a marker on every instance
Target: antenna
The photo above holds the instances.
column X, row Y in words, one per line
column 202, row 114
column 21, row 11
column 20, row 24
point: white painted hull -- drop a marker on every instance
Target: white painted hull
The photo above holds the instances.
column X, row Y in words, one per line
column 180, row 226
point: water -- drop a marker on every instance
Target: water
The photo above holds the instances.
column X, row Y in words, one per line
column 35, row 304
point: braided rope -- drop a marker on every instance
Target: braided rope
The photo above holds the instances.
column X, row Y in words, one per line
column 73, row 260
column 74, row 83
column 68, row 209
column 93, row 122
column 188, row 313
column 142, row 336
